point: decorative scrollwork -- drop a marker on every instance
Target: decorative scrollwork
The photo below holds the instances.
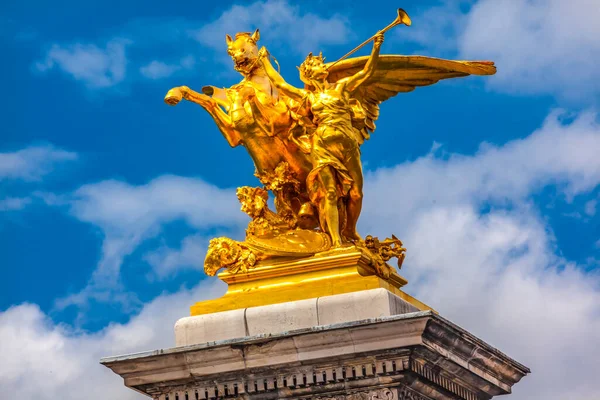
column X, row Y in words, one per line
column 382, row 251
column 384, row 394
column 406, row 394
column 227, row 253
column 380, row 394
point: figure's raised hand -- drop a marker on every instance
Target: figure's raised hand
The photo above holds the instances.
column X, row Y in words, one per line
column 378, row 39
column 262, row 53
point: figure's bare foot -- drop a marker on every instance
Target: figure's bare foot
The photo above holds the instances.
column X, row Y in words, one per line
column 351, row 234
column 343, row 248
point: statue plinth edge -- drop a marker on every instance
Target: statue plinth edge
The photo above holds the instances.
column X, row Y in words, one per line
column 345, row 270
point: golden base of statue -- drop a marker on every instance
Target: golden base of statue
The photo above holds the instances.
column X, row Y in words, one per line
column 279, row 261
column 344, row 270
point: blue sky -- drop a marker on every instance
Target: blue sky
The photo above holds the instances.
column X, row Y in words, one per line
column 108, row 196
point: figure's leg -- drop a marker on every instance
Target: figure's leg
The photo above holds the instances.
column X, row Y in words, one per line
column 328, row 209
column 355, row 197
column 282, row 206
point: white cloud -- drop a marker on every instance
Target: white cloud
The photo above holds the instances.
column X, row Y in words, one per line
column 32, row 163
column 277, row 20
column 497, row 273
column 14, row 203
column 165, row 261
column 498, row 276
column 436, row 29
column 96, row 67
column 556, row 154
column 42, row 360
column 590, row 207
column 128, row 215
column 539, row 46
column 548, row 46
column 159, row 70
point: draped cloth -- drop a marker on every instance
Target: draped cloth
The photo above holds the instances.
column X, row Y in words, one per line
column 334, row 143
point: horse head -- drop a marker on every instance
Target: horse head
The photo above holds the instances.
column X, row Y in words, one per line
column 243, row 51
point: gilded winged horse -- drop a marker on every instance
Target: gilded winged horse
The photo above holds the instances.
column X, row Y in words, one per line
column 264, row 136
column 343, row 100
column 316, row 132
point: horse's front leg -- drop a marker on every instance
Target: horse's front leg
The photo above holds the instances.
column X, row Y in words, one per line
column 222, row 119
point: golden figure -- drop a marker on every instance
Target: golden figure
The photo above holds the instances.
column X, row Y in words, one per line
column 336, row 174
column 305, row 144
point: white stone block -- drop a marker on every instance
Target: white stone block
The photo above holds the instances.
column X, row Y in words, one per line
column 210, row 327
column 283, row 317
column 356, row 306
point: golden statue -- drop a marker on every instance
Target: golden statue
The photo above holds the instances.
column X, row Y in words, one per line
column 335, row 181
column 265, row 139
column 305, row 144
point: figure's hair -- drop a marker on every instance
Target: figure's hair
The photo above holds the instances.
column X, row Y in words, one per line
column 309, row 62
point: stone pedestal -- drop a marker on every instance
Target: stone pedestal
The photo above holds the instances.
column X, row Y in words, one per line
column 289, row 316
column 363, row 345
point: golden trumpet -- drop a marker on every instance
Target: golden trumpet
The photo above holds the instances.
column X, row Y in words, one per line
column 401, row 18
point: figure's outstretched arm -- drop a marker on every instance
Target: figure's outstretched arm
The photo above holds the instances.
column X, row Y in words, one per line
column 277, row 79
column 222, row 120
column 353, row 82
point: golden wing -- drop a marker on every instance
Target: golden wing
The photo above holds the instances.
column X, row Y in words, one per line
column 399, row 74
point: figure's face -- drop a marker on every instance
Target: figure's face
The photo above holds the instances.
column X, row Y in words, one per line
column 244, row 52
column 253, row 200
column 314, row 70
column 318, row 72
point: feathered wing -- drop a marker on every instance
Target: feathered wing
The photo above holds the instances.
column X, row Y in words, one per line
column 398, row 74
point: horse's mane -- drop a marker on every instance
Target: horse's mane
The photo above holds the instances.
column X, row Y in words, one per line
column 244, row 34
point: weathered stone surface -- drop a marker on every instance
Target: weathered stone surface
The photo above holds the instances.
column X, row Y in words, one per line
column 415, row 356
column 401, row 393
column 366, row 304
column 211, row 327
column 281, row 317
column 277, row 318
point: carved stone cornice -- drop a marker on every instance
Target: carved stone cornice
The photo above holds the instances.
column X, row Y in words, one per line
column 402, row 393
column 421, row 355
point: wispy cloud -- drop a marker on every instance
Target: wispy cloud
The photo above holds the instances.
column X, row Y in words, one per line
column 437, row 29
column 591, row 207
column 548, row 46
column 159, row 70
column 498, row 273
column 14, row 203
column 101, row 65
column 32, row 163
column 42, row 360
column 166, row 261
column 279, row 21
column 540, row 47
column 128, row 215
column 96, row 67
